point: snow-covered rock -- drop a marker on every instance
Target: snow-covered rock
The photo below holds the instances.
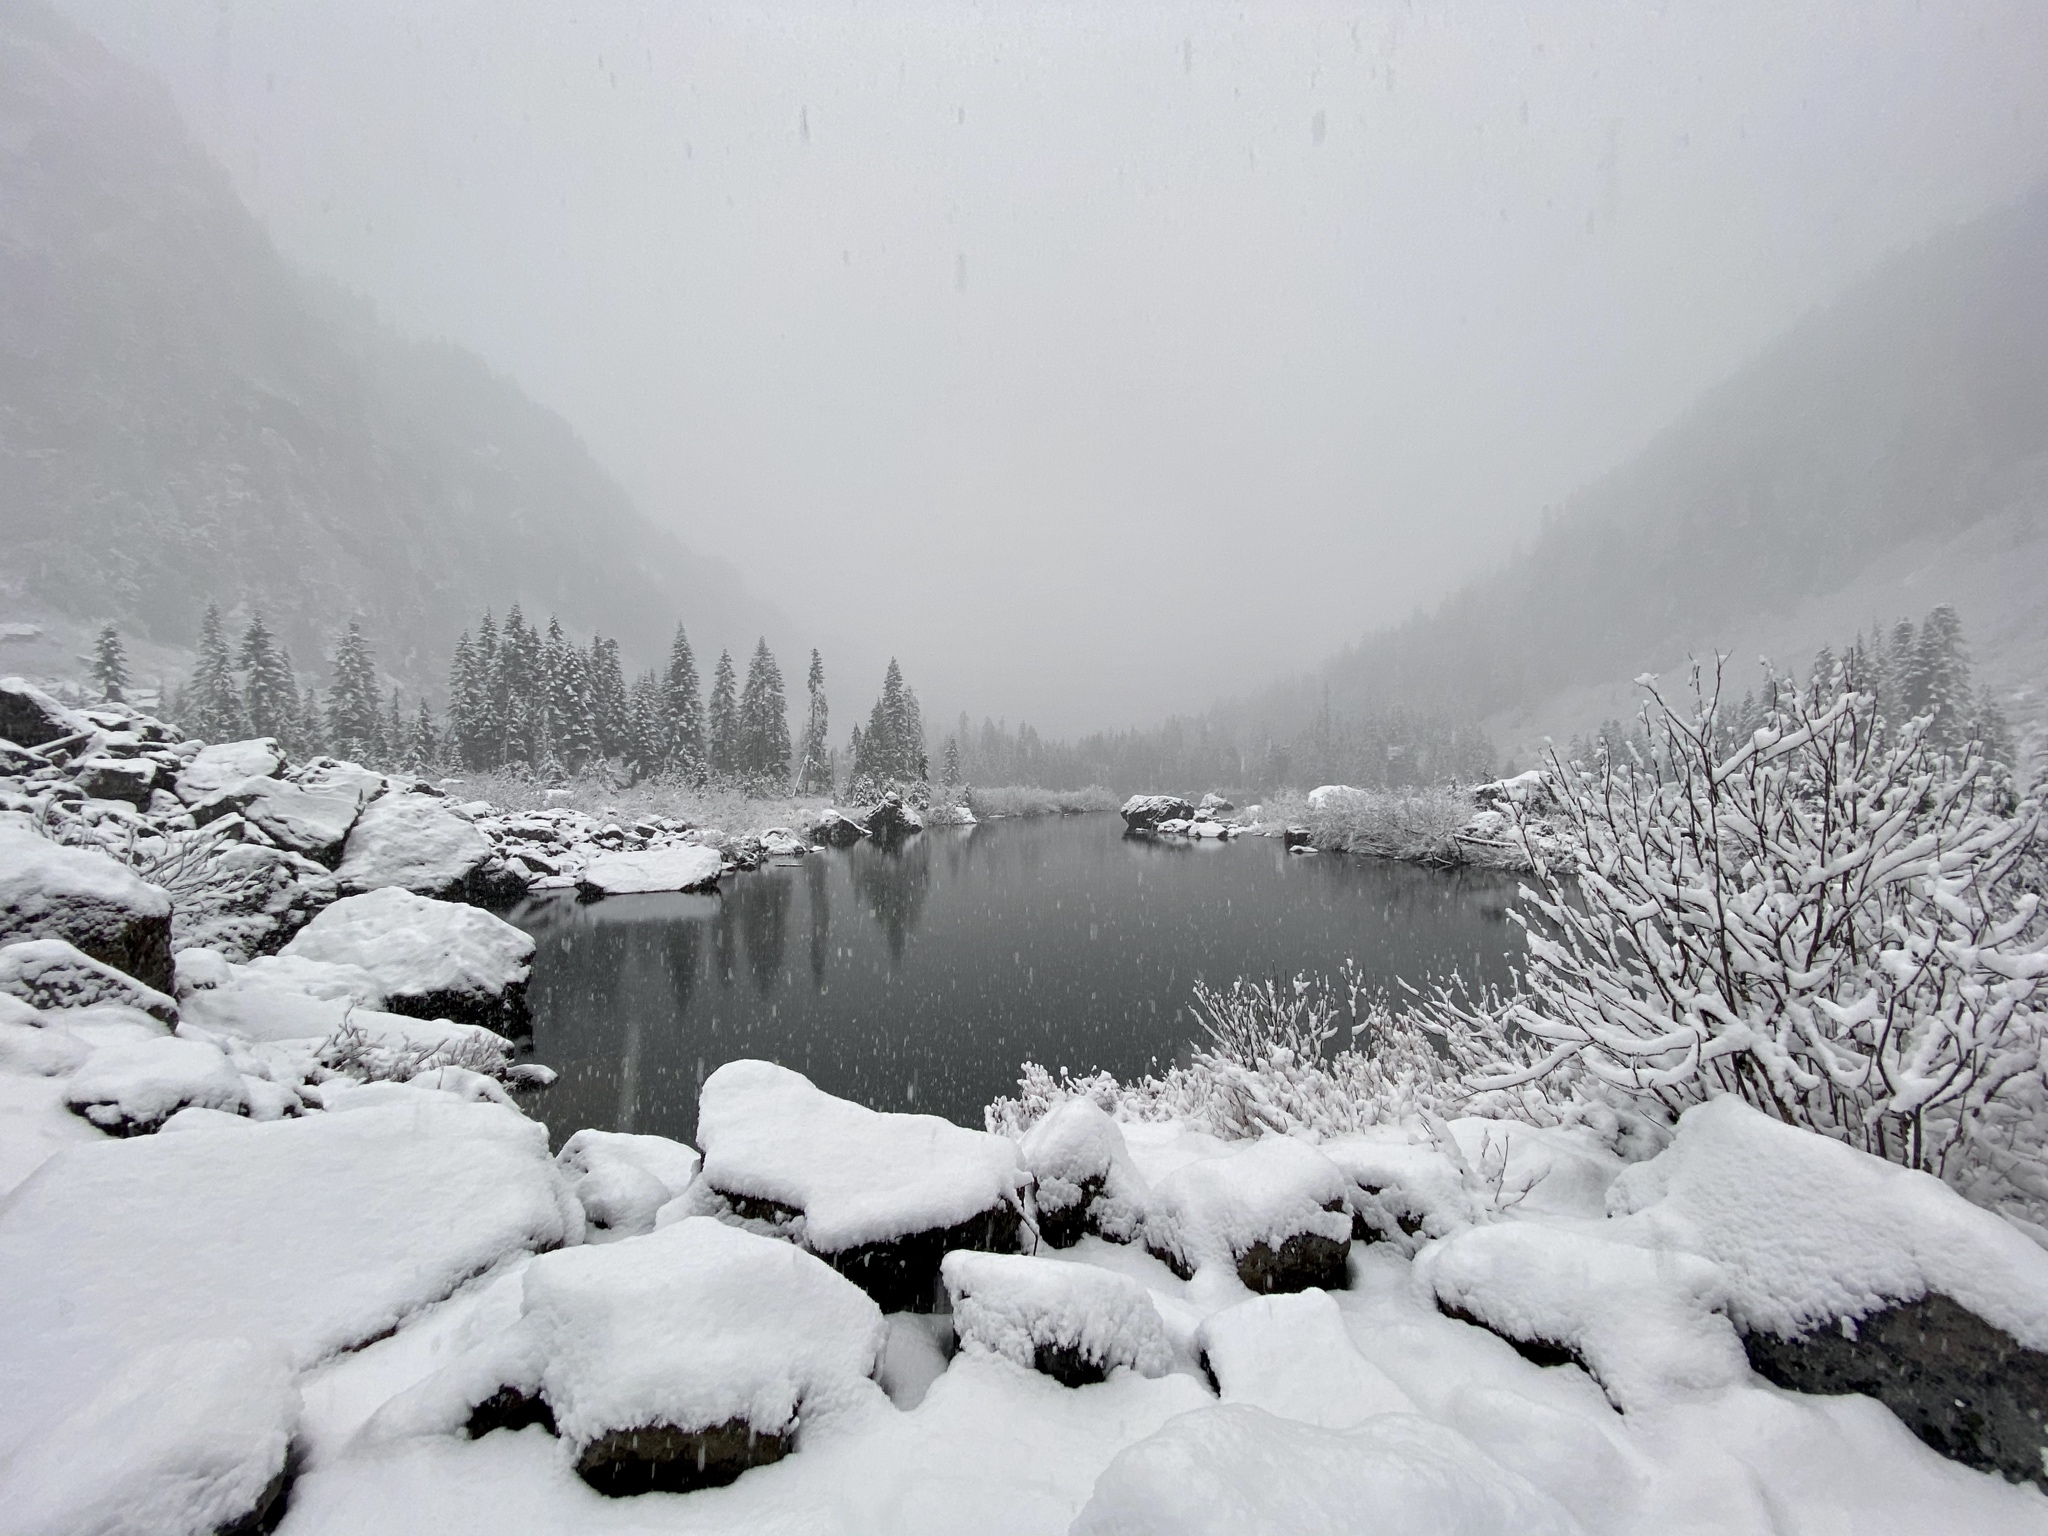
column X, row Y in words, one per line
column 49, row 974
column 1084, row 1178
column 781, row 843
column 1232, row 1469
column 216, row 767
column 1144, row 813
column 1645, row 1322
column 1326, row 797
column 416, row 843
column 308, row 820
column 677, row 868
column 1847, row 1273
column 673, row 1361
column 1072, row 1322
column 1291, row 1356
column 28, row 1048
column 1214, row 804
column 253, row 900
column 312, row 1235
column 432, row 958
column 131, row 1089
column 187, row 1439
column 881, row 1197
column 891, row 821
column 1273, row 1210
column 623, row 1179
column 128, row 779
column 836, row 829
column 31, row 718
column 1401, row 1192
column 82, row 896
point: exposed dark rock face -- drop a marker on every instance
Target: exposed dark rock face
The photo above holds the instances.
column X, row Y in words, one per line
column 1066, row 1225
column 268, row 1512
column 1143, row 813
column 509, row 1408
column 114, row 778
column 29, row 717
column 835, row 829
column 88, row 900
column 1535, row 1351
column 902, row 1273
column 1297, row 837
column 1068, row 1365
column 1969, row 1390
column 659, row 1458
column 506, row 1011
column 892, row 820
column 1302, row 1261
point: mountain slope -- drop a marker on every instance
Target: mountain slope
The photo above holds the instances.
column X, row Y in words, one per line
column 184, row 417
column 1915, row 408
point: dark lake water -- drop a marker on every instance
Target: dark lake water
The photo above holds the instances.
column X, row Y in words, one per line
column 920, row 977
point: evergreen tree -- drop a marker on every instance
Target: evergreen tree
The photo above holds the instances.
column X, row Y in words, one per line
column 213, row 706
column 648, row 751
column 610, row 707
column 764, row 723
column 393, row 735
column 814, row 757
column 310, row 739
column 682, row 743
column 268, row 692
column 110, row 665
column 486, row 748
column 1909, row 692
column 565, row 677
column 468, row 705
column 353, row 725
column 423, row 752
column 518, row 694
column 723, row 720
column 857, row 763
column 1943, row 677
column 952, row 761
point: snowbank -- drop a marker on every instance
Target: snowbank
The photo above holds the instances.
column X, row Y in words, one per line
column 430, row 957
column 1073, row 1322
column 683, row 868
column 313, row 1235
column 87, row 899
column 131, row 1089
column 188, row 1439
column 1291, row 1356
column 1233, row 1469
column 1273, row 1210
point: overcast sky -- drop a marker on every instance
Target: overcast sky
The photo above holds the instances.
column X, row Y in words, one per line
column 1101, row 359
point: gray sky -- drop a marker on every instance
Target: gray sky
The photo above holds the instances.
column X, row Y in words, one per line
column 1101, row 359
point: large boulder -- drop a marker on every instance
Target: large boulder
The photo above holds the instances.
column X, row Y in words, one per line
column 1083, row 1177
column 1144, row 813
column 882, row 1198
column 891, row 821
column 132, row 1089
column 310, row 820
column 1273, row 1210
column 217, row 767
column 433, row 959
column 29, row 717
column 82, row 896
column 129, row 779
column 682, row 867
column 836, row 829
column 1072, row 1322
column 673, row 1362
column 254, row 899
column 1843, row 1272
column 419, row 843
column 51, row 974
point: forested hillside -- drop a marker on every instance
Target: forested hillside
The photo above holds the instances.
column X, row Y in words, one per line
column 185, row 418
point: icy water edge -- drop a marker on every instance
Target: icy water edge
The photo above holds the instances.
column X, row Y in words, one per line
column 920, row 977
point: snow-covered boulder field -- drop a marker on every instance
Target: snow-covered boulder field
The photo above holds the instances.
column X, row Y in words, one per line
column 882, row 1198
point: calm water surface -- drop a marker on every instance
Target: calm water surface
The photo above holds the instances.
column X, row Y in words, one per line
column 920, row 977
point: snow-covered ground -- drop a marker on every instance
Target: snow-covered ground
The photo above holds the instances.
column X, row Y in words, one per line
column 275, row 1248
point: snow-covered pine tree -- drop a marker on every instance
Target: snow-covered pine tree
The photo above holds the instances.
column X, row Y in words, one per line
column 764, row 724
column 952, row 769
column 462, row 701
column 649, row 715
column 353, row 723
column 565, row 671
column 723, row 719
column 110, row 665
column 485, row 748
column 611, row 711
column 1909, row 689
column 268, row 692
column 858, row 769
column 1944, row 675
column 814, row 756
column 394, row 735
column 213, row 705
column 911, row 759
column 681, row 745
column 518, row 691
column 423, row 751
column 310, row 738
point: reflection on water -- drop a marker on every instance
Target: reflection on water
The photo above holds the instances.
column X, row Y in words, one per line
column 922, row 976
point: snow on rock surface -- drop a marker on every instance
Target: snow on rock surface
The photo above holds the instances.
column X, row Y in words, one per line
column 1291, row 1356
column 432, row 958
column 836, row 829
column 29, row 717
column 1402, row 1192
column 1232, row 1469
column 131, row 1089
column 87, row 899
column 1645, row 1322
column 255, row 898
column 188, row 1439
column 622, row 1179
column 310, row 1235
column 311, row 820
column 1085, row 1179
column 678, row 868
column 1072, row 1322
column 669, row 1361
column 49, row 973
column 1144, row 813
column 883, row 1196
column 1809, row 1231
column 414, row 842
column 216, row 767
column 1274, row 1210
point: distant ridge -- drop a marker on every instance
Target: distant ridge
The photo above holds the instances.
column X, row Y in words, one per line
column 185, row 417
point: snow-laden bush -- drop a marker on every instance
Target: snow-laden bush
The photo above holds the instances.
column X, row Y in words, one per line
column 1819, row 920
